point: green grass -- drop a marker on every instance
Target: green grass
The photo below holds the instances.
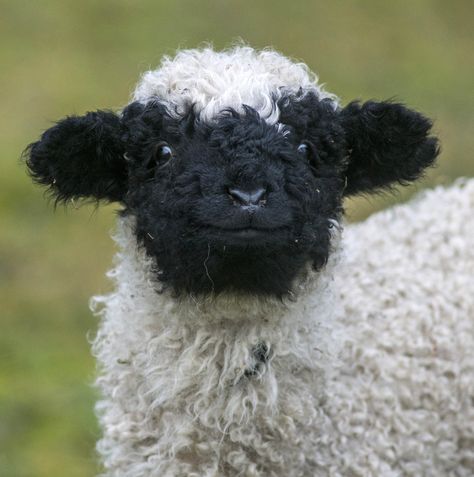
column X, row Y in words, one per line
column 60, row 57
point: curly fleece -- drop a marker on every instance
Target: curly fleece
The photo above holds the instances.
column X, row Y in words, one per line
column 370, row 369
column 213, row 81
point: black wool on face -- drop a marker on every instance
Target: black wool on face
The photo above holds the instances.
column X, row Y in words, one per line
column 239, row 205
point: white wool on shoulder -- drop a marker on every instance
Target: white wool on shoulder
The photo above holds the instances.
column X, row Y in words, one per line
column 398, row 401
column 215, row 80
column 404, row 402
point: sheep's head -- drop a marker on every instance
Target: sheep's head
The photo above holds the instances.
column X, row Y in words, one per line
column 234, row 201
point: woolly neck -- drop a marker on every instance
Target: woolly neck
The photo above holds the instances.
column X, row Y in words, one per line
column 140, row 311
column 187, row 352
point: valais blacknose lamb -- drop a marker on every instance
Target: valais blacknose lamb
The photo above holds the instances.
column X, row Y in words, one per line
column 248, row 335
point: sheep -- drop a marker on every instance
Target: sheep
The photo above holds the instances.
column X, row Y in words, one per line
column 250, row 333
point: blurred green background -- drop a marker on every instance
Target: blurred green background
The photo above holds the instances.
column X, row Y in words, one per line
column 60, row 57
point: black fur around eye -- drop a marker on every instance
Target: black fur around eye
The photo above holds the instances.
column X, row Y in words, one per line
column 303, row 150
column 163, row 152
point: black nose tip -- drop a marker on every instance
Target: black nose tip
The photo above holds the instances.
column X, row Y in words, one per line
column 253, row 197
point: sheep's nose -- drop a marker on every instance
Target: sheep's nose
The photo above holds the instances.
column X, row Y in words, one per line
column 246, row 198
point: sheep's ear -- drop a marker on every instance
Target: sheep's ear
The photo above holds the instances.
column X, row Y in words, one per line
column 81, row 157
column 387, row 143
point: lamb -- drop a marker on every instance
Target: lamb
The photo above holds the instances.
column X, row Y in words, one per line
column 248, row 333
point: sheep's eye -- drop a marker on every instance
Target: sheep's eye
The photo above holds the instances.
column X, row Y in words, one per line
column 163, row 152
column 303, row 150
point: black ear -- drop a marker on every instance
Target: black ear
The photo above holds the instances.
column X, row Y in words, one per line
column 387, row 143
column 81, row 157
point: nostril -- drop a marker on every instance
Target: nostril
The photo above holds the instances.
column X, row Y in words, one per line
column 258, row 197
column 243, row 197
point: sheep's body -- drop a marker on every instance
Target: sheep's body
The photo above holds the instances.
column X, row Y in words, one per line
column 404, row 398
column 397, row 306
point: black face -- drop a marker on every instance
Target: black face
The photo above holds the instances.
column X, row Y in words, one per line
column 236, row 204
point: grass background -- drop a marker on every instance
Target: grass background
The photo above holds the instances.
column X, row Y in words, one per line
column 60, row 57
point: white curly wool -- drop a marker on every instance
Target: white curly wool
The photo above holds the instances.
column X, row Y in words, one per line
column 213, row 81
column 371, row 370
column 178, row 402
column 403, row 403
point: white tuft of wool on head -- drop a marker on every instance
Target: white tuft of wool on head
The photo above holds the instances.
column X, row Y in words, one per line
column 213, row 81
column 245, row 336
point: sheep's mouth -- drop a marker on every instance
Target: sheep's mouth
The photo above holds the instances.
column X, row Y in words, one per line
column 247, row 235
column 248, row 230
